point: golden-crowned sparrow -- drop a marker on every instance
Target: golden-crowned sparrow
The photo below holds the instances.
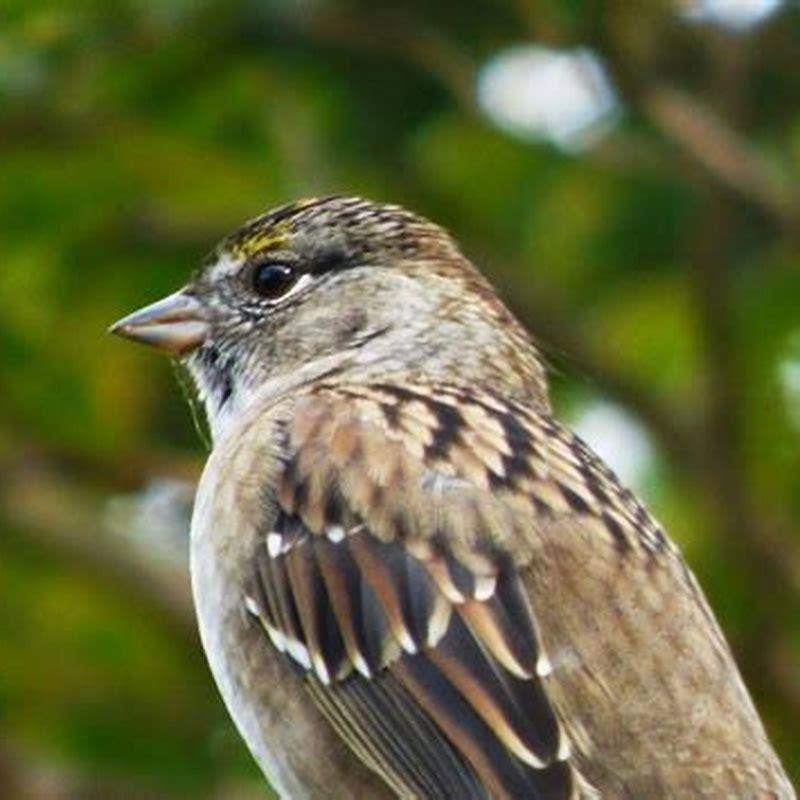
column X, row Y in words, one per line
column 410, row 579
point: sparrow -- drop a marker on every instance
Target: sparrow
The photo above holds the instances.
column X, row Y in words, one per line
column 410, row 579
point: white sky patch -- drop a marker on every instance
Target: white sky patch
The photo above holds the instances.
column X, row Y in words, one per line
column 790, row 382
column 618, row 439
column 155, row 520
column 561, row 96
column 735, row 15
column 789, row 379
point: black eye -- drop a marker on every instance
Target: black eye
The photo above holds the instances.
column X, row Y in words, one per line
column 271, row 280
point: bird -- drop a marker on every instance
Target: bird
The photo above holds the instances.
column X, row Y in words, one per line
column 411, row 580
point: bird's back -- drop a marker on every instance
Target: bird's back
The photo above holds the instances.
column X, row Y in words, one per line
column 642, row 677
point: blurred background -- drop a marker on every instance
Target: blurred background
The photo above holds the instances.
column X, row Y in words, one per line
column 629, row 178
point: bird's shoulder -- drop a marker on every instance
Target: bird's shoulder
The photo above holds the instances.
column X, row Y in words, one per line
column 453, row 445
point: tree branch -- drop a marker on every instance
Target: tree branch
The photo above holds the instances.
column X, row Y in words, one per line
column 62, row 516
column 724, row 154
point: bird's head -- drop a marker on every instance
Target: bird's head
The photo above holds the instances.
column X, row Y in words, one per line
column 337, row 287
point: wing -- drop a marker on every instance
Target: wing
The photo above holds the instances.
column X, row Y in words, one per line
column 390, row 575
column 481, row 610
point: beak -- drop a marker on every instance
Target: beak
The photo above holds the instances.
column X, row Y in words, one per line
column 177, row 324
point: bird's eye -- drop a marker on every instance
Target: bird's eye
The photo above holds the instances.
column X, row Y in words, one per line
column 271, row 280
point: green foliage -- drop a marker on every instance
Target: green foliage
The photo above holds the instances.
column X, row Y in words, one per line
column 134, row 134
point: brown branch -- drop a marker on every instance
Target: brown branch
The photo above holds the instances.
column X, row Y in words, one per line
column 62, row 516
column 722, row 152
column 704, row 138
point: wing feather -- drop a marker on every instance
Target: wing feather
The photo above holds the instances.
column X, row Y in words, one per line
column 418, row 639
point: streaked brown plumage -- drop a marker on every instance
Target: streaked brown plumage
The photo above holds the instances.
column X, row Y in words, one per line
column 410, row 579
